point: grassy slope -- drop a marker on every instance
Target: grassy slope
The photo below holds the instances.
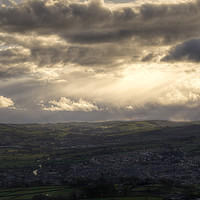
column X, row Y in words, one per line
column 24, row 145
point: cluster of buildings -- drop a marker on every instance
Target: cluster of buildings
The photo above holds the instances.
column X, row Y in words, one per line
column 158, row 163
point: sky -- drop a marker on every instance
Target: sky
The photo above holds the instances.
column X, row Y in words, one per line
column 96, row 60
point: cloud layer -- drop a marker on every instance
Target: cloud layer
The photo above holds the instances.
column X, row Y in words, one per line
column 187, row 51
column 90, row 32
column 134, row 59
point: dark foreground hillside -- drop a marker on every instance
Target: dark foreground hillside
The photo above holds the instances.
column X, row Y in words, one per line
column 146, row 159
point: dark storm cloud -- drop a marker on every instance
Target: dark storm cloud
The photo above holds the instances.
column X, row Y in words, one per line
column 96, row 55
column 36, row 15
column 148, row 57
column 172, row 22
column 93, row 22
column 47, row 55
column 79, row 23
column 12, row 56
column 41, row 55
column 11, row 72
column 12, row 62
column 100, row 37
column 154, row 11
column 94, row 33
column 189, row 50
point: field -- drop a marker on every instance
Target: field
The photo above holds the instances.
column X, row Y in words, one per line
column 29, row 193
column 138, row 193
